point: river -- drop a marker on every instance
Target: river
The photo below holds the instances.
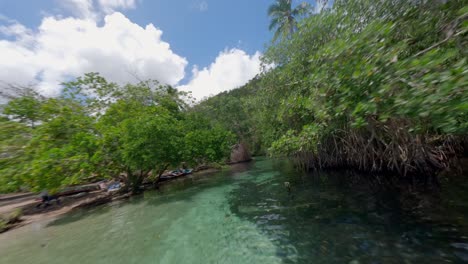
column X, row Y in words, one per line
column 246, row 215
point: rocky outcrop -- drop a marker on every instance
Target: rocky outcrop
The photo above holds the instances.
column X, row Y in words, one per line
column 240, row 153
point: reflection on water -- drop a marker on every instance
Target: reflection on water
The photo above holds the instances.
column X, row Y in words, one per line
column 327, row 220
column 247, row 216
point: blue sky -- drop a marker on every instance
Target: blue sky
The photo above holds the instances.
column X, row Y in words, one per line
column 200, row 34
column 221, row 37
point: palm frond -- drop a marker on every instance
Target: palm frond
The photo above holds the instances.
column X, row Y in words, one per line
column 302, row 9
column 283, row 17
column 274, row 23
column 278, row 33
column 274, row 8
column 279, row 7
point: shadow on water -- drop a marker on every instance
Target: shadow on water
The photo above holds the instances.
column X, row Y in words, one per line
column 330, row 218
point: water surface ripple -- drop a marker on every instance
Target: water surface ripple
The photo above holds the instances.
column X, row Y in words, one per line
column 246, row 215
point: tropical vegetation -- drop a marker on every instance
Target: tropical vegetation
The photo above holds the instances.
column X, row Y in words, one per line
column 284, row 17
column 372, row 85
column 98, row 129
column 376, row 87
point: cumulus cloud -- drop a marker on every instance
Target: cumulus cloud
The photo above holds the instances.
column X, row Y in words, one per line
column 231, row 69
column 112, row 5
column 80, row 8
column 94, row 9
column 16, row 30
column 61, row 49
column 65, row 48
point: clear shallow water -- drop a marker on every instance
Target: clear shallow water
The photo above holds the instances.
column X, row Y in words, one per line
column 246, row 216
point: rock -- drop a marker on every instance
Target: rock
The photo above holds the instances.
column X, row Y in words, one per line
column 240, row 153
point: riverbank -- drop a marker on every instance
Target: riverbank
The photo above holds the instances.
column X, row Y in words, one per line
column 25, row 204
column 30, row 214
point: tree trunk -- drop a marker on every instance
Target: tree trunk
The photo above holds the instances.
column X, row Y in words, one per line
column 160, row 173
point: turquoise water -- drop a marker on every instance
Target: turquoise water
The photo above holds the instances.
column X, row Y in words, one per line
column 246, row 215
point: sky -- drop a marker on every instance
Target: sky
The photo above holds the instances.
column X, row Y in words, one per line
column 202, row 46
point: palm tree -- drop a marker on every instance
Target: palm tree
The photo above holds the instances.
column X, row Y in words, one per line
column 283, row 17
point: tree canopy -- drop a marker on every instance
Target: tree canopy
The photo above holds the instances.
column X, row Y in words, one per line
column 364, row 85
column 378, row 86
column 100, row 129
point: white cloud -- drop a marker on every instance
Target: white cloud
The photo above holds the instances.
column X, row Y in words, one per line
column 231, row 69
column 16, row 67
column 20, row 32
column 6, row 19
column 61, row 49
column 111, row 5
column 94, row 9
column 80, row 8
column 65, row 48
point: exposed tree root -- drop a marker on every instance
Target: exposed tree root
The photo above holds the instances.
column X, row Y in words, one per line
column 389, row 147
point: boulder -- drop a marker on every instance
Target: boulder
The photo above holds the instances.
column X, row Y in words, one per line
column 240, row 153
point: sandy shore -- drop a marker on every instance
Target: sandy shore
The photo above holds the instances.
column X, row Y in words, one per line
column 31, row 214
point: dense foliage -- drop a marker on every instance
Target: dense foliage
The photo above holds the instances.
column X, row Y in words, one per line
column 375, row 85
column 100, row 129
column 372, row 85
